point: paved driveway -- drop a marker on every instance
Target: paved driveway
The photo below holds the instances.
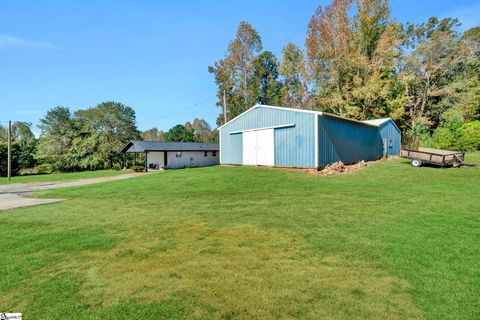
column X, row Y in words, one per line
column 18, row 195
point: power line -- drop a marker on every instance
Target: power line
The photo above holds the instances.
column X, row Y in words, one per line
column 9, row 143
column 168, row 114
column 185, row 109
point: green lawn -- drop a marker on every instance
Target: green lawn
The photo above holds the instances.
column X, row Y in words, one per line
column 61, row 176
column 387, row 242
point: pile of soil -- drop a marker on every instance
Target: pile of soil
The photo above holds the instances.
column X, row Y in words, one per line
column 340, row 168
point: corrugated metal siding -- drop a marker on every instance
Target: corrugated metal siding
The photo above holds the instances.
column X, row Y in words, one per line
column 349, row 142
column 231, row 147
column 390, row 132
column 294, row 146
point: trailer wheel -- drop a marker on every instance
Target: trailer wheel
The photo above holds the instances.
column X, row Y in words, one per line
column 416, row 163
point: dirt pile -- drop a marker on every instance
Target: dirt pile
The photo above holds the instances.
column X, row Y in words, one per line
column 340, row 168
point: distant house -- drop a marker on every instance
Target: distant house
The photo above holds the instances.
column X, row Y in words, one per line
column 174, row 155
column 286, row 137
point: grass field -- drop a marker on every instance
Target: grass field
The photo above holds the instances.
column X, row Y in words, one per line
column 61, row 176
column 387, row 242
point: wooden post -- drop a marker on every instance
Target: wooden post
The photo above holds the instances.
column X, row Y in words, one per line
column 9, row 156
column 224, row 108
column 146, row 166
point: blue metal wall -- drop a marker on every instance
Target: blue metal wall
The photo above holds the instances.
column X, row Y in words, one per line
column 347, row 141
column 294, row 146
column 393, row 137
column 338, row 139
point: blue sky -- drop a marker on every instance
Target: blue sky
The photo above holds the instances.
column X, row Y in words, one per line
column 151, row 55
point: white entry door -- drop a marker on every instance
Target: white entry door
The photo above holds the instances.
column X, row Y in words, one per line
column 258, row 147
column 250, row 148
column 265, row 147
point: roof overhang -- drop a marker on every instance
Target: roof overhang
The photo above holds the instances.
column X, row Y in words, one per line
column 129, row 146
column 269, row 107
column 381, row 122
column 134, row 146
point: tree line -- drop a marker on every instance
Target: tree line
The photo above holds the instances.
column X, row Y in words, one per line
column 86, row 139
column 197, row 131
column 358, row 62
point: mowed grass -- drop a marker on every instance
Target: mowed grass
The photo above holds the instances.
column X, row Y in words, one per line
column 387, row 242
column 61, row 176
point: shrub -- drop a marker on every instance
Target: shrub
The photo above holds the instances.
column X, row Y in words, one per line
column 419, row 136
column 137, row 168
column 26, row 172
column 117, row 166
column 443, row 138
column 448, row 135
column 43, row 169
column 470, row 133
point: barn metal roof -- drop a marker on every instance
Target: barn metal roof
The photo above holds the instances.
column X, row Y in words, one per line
column 145, row 146
column 379, row 122
column 297, row 110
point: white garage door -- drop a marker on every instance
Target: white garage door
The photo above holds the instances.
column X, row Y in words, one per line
column 258, row 147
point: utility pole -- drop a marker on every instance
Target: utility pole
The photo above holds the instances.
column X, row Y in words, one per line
column 224, row 107
column 9, row 144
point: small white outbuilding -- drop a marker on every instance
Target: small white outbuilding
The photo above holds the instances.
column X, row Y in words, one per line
column 174, row 155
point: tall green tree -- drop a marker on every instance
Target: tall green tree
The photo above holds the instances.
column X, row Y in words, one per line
column 153, row 134
column 102, row 132
column 21, row 131
column 57, row 131
column 266, row 87
column 431, row 59
column 294, row 91
column 23, row 147
column 464, row 90
column 27, row 144
column 226, row 93
column 202, row 131
column 351, row 56
column 233, row 73
column 180, row 133
column 243, row 50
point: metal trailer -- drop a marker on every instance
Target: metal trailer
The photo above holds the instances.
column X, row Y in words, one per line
column 443, row 158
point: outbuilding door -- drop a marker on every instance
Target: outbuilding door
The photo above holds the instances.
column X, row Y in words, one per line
column 258, row 147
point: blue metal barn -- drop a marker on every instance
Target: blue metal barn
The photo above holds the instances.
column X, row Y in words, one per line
column 390, row 134
column 285, row 137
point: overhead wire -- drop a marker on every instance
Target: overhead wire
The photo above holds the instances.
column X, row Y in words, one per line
column 183, row 109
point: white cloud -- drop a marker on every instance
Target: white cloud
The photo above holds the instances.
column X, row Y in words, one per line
column 11, row 41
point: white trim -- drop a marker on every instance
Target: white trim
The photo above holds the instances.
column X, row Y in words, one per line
column 240, row 115
column 264, row 128
column 220, row 147
column 289, row 109
column 377, row 122
column 348, row 119
column 381, row 122
column 316, row 141
column 270, row 107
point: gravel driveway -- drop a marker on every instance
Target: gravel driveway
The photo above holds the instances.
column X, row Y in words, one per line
column 18, row 195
